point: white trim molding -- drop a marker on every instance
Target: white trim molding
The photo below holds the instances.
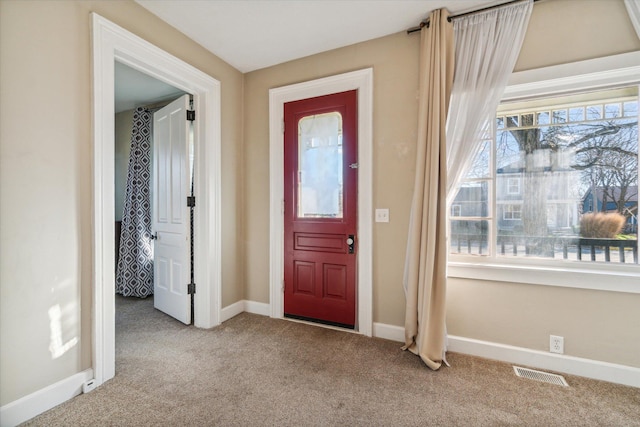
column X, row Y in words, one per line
column 254, row 307
column 590, row 75
column 36, row 403
column 113, row 43
column 362, row 81
column 633, row 8
column 232, row 310
column 599, row 73
column 388, row 332
column 588, row 368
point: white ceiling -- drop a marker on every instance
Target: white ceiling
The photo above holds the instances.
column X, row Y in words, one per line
column 254, row 34
column 134, row 89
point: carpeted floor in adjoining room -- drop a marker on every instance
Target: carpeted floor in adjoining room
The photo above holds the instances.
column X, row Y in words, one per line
column 257, row 371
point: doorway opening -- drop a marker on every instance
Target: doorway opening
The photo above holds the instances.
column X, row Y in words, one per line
column 112, row 44
column 153, row 184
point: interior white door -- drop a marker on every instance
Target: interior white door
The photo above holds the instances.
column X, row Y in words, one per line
column 171, row 221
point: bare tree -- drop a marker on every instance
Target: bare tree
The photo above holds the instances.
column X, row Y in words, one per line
column 605, row 154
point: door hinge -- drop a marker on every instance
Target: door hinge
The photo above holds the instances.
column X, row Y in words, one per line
column 353, row 166
column 191, row 115
column 283, row 286
column 191, row 288
column 191, row 201
column 283, row 126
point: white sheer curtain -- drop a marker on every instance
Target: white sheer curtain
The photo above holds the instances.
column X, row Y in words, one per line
column 633, row 7
column 487, row 47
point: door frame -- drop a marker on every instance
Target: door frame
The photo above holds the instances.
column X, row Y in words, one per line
column 111, row 43
column 362, row 81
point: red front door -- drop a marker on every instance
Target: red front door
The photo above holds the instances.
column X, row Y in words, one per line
column 320, row 187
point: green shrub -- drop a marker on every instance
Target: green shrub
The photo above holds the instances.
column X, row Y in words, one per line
column 602, row 225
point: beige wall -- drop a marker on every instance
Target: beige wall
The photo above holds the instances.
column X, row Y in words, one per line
column 395, row 63
column 521, row 315
column 46, row 198
column 46, row 175
column 562, row 31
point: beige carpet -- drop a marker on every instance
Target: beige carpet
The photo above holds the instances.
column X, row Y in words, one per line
column 256, row 371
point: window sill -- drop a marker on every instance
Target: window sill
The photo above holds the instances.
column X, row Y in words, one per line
column 612, row 278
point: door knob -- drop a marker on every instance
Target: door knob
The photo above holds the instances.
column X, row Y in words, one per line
column 154, row 236
column 350, row 243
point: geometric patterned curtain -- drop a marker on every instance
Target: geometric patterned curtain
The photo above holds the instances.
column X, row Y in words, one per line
column 134, row 273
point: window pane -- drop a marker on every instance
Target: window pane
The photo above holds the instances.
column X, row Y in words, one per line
column 480, row 166
column 631, row 109
column 469, row 237
column 559, row 116
column 320, row 166
column 549, row 177
column 526, row 120
column 576, row 114
column 543, row 118
column 612, row 111
column 594, row 112
column 473, row 199
column 512, row 121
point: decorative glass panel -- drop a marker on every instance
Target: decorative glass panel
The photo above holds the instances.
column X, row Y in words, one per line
column 543, row 118
column 631, row 109
column 559, row 116
column 320, row 185
column 594, row 112
column 526, row 120
column 612, row 111
column 576, row 114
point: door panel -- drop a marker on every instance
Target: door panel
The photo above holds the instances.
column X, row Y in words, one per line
column 321, row 208
column 171, row 186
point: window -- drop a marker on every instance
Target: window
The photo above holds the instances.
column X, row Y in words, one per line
column 456, row 210
column 512, row 212
column 548, row 162
column 513, row 185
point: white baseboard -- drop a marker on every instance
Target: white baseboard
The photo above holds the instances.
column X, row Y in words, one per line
column 588, row 368
column 595, row 369
column 44, row 399
column 231, row 311
column 260, row 308
column 388, row 332
column 241, row 306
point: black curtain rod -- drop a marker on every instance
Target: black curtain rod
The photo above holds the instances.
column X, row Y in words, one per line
column 425, row 23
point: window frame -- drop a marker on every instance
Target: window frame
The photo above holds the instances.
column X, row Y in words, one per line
column 508, row 208
column 595, row 74
column 512, row 180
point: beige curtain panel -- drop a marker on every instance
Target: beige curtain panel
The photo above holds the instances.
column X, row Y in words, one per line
column 425, row 269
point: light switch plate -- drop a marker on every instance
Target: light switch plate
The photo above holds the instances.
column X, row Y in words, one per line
column 382, row 215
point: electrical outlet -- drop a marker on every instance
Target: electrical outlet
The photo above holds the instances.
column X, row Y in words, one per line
column 88, row 386
column 556, row 344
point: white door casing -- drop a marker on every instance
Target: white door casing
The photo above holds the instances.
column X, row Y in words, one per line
column 362, row 81
column 112, row 43
column 171, row 223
